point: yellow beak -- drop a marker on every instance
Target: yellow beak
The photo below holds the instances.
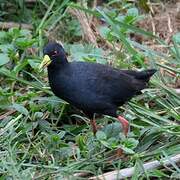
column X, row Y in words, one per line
column 45, row 62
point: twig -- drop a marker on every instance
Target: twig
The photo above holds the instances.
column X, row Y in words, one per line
column 153, row 25
column 128, row 172
column 11, row 111
column 177, row 91
column 94, row 4
column 7, row 114
column 83, row 20
column 169, row 24
column 8, row 25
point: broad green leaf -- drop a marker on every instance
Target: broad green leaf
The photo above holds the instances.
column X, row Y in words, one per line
column 5, row 47
column 104, row 31
column 4, row 59
column 20, row 108
column 118, row 33
column 133, row 12
column 34, row 63
column 101, row 135
column 2, row 35
column 127, row 150
column 112, row 130
column 23, row 43
column 45, row 126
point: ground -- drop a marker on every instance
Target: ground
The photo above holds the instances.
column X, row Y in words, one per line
column 43, row 137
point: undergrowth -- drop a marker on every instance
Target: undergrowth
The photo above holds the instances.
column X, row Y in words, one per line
column 43, row 137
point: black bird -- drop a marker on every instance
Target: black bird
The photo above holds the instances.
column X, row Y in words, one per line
column 91, row 87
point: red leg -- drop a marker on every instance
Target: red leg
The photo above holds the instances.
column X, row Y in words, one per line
column 125, row 127
column 93, row 125
column 125, row 124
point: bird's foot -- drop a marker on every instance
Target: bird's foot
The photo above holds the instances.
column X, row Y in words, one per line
column 94, row 126
column 125, row 124
column 125, row 127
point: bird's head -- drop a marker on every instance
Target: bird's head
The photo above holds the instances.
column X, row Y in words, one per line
column 53, row 54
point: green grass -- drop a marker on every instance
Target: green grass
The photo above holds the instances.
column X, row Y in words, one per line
column 46, row 138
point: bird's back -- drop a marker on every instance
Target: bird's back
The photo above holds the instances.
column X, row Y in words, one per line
column 92, row 86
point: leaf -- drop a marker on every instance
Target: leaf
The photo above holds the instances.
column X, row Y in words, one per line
column 34, row 63
column 176, row 38
column 148, row 139
column 2, row 34
column 61, row 134
column 87, row 53
column 133, row 12
column 4, row 59
column 104, row 31
column 20, row 108
column 45, row 126
column 112, row 130
column 78, row 52
column 14, row 33
column 117, row 32
column 127, row 150
column 101, row 135
column 120, row 18
column 175, row 49
column 158, row 173
column 38, row 115
column 129, row 144
column 132, row 143
column 55, row 138
column 23, row 43
column 106, row 144
column 25, row 32
column 80, row 140
column 5, row 72
column 175, row 175
column 5, row 47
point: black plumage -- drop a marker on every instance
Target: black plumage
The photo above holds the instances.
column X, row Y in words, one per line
column 92, row 87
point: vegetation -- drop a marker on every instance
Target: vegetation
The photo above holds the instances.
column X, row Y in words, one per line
column 43, row 137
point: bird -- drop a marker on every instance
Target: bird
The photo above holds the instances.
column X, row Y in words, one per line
column 92, row 87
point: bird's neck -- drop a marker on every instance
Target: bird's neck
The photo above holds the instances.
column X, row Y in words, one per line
column 63, row 60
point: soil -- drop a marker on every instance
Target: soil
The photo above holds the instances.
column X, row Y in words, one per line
column 164, row 20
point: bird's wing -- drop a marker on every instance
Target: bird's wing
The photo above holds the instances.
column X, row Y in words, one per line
column 113, row 83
